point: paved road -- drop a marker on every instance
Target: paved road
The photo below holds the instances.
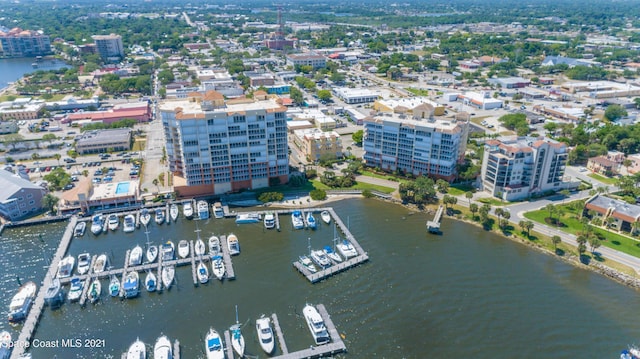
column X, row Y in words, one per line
column 153, row 155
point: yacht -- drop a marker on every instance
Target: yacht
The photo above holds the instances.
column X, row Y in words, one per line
column 54, row 296
column 152, row 253
column 214, row 245
column 150, row 282
column 135, row 256
column 213, row 345
column 131, row 285
column 65, row 267
column 163, row 349
column 78, row 230
column 246, row 218
column 145, row 217
column 187, row 210
column 97, row 222
column 137, row 350
column 269, row 220
column 316, row 325
column 311, row 220
column 199, row 248
column 173, row 211
column 203, row 273
column 6, row 345
column 326, row 216
column 100, row 264
column 320, row 258
column 296, row 220
column 237, row 340
column 95, row 290
column 183, row 248
column 84, row 263
column 233, row 244
column 203, row 210
column 168, row 274
column 75, row 291
column 265, row 334
column 159, row 216
column 218, row 211
column 168, row 251
column 129, row 224
column 114, row 286
column 307, row 263
column 113, row 222
column 332, row 254
column 21, row 302
column 217, row 266
column 346, row 249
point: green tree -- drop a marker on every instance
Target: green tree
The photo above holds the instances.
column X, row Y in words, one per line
column 442, row 185
column 357, row 137
column 556, row 240
column 468, row 195
column 49, row 202
column 324, row 95
column 615, row 112
column 318, row 194
column 473, row 207
column 12, row 140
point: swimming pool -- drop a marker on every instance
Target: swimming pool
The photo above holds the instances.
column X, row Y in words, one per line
column 122, row 187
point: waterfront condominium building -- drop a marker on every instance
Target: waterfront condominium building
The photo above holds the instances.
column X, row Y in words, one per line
column 518, row 168
column 216, row 146
column 24, row 43
column 421, row 144
column 109, row 47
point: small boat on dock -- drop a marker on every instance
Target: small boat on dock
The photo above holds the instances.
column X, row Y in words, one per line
column 233, row 244
column 163, row 349
column 101, row 263
column 168, row 251
column 218, row 211
column 269, row 220
column 311, row 220
column 213, row 345
column 214, row 245
column 297, row 220
column 78, row 230
column 320, row 258
column 247, row 218
column 97, row 222
column 200, row 248
column 237, row 340
column 265, row 334
column 325, row 216
column 168, row 274
column 173, row 211
column 145, row 217
column 307, row 263
column 131, row 285
column 21, row 302
column 129, row 224
column 347, row 249
column 217, row 266
column 150, row 282
column 159, row 218
column 187, row 210
column 65, row 267
column 113, row 222
column 6, row 344
column 95, row 290
column 332, row 254
column 137, row 350
column 203, row 210
column 316, row 325
column 203, row 273
column 54, row 296
column 75, row 291
column 135, row 256
column 114, row 286
column 183, row 248
column 152, row 253
column 84, row 263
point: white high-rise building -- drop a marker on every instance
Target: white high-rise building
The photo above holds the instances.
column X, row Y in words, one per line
column 109, row 47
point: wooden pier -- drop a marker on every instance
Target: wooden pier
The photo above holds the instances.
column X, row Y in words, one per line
column 279, row 335
column 176, row 349
column 228, row 265
column 434, row 226
column 228, row 347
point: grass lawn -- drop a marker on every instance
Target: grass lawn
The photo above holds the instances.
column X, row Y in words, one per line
column 139, row 145
column 603, row 179
column 418, row 92
column 493, row 201
column 388, row 177
column 460, row 189
column 361, row 186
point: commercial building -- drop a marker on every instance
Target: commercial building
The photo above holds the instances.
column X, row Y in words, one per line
column 109, row 47
column 318, row 118
column 216, row 146
column 518, row 168
column 8, row 127
column 407, row 105
column 73, row 104
column 139, row 111
column 355, row 95
column 23, row 108
column 101, row 141
column 312, row 59
column 481, row 100
column 24, row 43
column 315, row 144
column 19, row 198
column 510, row 82
column 420, row 145
column 88, row 197
column 625, row 216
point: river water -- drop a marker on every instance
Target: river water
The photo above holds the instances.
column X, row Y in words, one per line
column 12, row 70
column 467, row 293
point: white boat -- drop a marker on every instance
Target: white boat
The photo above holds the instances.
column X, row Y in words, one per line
column 203, row 210
column 346, row 249
column 137, row 350
column 218, row 211
column 159, row 218
column 54, row 295
column 203, row 273
column 183, row 248
column 187, row 210
column 145, row 217
column 152, row 254
column 297, row 220
column 200, row 247
column 320, row 258
column 84, row 263
column 265, row 334
column 168, row 251
column 65, row 267
column 217, row 266
column 113, row 222
column 21, row 302
column 75, row 291
column 114, row 286
column 237, row 340
column 326, row 216
column 97, row 222
column 316, row 325
column 131, row 285
column 213, row 345
column 173, row 211
column 214, row 245
column 163, row 348
column 135, row 256
column 311, row 220
column 269, row 220
column 168, row 274
column 332, row 254
column 6, row 344
column 233, row 244
column 95, row 290
column 307, row 263
column 246, row 218
column 129, row 224
column 150, row 282
column 100, row 263
column 78, row 230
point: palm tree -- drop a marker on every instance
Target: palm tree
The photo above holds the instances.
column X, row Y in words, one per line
column 528, row 226
column 551, row 209
column 469, row 195
column 473, row 207
column 57, row 156
column 155, row 183
column 556, row 240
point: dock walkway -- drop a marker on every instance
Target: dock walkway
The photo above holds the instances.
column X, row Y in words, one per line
column 228, row 265
column 434, row 226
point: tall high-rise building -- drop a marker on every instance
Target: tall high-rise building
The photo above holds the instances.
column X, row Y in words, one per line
column 109, row 47
column 216, row 146
column 24, row 43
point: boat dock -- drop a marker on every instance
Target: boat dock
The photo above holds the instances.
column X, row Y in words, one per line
column 276, row 324
column 228, row 348
column 176, row 349
column 228, row 265
column 434, row 225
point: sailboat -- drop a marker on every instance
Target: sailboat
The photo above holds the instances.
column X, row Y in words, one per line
column 237, row 340
column 173, row 211
column 203, row 273
column 95, row 290
column 114, row 286
column 150, row 282
column 168, row 273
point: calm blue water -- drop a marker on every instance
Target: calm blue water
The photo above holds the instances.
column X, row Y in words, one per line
column 12, row 70
column 122, row 187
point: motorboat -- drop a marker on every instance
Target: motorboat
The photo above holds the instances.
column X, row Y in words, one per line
column 150, row 282
column 168, row 274
column 237, row 340
column 65, row 267
column 199, row 248
column 246, row 218
column 54, row 295
column 311, row 220
column 332, row 254
column 101, row 263
column 203, row 210
column 307, row 263
column 75, row 290
column 114, row 286
column 173, row 211
column 217, row 266
column 129, row 224
column 297, row 220
column 213, row 345
column 218, row 211
column 95, row 290
column 113, row 222
column 84, row 263
column 163, row 348
column 316, row 325
column 78, row 230
column 137, row 350
column 346, row 249
column 135, row 256
column 145, row 217
column 214, row 245
column 325, row 216
column 187, row 210
column 233, row 244
column 168, row 251
column 21, row 302
column 152, row 253
column 97, row 222
column 203, row 273
column 159, row 218
column 6, row 344
column 320, row 258
column 131, row 284
column 269, row 220
column 265, row 334
column 183, row 248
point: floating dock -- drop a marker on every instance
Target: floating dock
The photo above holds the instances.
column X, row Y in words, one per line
column 228, row 265
column 434, row 226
